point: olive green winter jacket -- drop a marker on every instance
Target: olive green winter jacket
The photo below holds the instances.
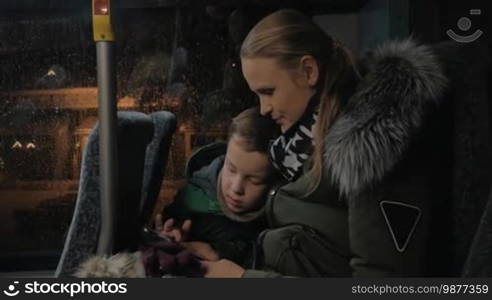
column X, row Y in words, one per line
column 380, row 208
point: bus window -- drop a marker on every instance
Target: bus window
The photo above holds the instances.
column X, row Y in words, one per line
column 179, row 58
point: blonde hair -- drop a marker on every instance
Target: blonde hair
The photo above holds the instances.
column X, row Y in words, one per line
column 287, row 35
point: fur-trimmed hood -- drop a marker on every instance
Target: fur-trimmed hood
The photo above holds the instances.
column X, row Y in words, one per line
column 403, row 82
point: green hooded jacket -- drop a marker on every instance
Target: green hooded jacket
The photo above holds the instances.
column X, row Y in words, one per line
column 232, row 236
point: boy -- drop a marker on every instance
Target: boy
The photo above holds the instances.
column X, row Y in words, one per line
column 220, row 210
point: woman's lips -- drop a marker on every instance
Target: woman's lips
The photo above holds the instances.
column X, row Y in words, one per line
column 278, row 120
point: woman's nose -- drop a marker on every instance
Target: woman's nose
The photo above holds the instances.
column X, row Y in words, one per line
column 265, row 108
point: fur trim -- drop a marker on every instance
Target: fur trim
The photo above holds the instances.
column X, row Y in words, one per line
column 121, row 265
column 404, row 81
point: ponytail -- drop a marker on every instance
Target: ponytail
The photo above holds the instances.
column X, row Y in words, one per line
column 339, row 80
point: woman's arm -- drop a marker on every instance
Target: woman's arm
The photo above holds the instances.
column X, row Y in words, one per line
column 241, row 252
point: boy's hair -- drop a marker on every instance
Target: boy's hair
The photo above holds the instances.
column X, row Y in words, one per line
column 255, row 130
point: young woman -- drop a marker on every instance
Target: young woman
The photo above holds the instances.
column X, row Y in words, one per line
column 358, row 199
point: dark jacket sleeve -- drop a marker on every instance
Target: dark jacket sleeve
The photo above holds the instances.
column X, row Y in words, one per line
column 241, row 252
column 176, row 209
column 231, row 240
column 250, row 273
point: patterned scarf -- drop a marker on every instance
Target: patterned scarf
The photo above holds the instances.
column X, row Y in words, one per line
column 289, row 151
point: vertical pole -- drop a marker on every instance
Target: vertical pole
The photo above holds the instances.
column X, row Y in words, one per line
column 106, row 82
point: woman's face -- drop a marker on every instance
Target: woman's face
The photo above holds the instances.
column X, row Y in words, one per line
column 284, row 94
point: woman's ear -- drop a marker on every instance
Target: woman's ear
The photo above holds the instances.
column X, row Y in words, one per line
column 309, row 69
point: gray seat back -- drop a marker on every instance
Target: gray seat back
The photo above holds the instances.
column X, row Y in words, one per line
column 135, row 131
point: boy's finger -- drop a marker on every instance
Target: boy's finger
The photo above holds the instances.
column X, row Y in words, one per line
column 166, row 234
column 186, row 226
column 158, row 221
column 177, row 235
column 168, row 225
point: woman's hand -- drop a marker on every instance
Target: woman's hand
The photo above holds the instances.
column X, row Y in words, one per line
column 202, row 250
column 169, row 230
column 222, row 269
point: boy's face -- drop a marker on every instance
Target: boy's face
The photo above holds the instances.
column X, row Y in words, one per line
column 245, row 177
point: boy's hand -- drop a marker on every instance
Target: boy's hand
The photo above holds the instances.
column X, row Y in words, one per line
column 202, row 250
column 168, row 229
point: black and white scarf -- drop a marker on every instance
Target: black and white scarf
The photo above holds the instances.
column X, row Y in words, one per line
column 290, row 151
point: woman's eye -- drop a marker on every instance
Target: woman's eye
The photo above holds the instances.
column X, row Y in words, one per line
column 266, row 92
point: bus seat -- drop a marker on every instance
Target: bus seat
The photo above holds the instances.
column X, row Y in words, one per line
column 155, row 162
column 139, row 145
